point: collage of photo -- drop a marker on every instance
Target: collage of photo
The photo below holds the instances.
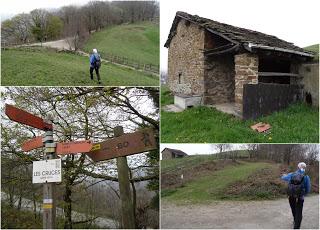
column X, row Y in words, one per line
column 159, row 114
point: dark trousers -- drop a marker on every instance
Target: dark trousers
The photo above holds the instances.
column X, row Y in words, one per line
column 296, row 205
column 97, row 72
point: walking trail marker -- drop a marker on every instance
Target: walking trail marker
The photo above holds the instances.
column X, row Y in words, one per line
column 33, row 143
column 49, row 170
column 26, row 118
column 124, row 145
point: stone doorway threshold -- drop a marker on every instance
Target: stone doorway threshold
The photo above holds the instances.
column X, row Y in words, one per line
column 229, row 108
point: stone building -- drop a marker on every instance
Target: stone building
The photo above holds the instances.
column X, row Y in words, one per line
column 172, row 153
column 210, row 63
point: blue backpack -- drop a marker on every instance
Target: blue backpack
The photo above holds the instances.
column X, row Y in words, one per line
column 295, row 186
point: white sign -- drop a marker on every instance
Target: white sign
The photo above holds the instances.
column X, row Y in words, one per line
column 46, row 171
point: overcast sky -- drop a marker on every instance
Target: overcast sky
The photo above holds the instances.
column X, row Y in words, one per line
column 11, row 7
column 292, row 20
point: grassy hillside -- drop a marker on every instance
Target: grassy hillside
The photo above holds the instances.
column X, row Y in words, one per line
column 168, row 165
column 139, row 41
column 39, row 66
column 314, row 48
column 296, row 124
column 224, row 180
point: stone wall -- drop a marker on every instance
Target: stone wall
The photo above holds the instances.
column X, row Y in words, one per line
column 246, row 72
column 185, row 58
column 219, row 80
column 310, row 80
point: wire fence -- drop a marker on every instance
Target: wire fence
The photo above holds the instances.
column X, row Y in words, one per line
column 130, row 62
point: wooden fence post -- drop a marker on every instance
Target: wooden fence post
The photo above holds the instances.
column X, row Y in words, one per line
column 127, row 211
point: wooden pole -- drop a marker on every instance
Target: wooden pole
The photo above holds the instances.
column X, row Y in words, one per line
column 49, row 209
column 127, row 212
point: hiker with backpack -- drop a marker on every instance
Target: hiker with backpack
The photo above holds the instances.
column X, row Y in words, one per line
column 298, row 187
column 95, row 63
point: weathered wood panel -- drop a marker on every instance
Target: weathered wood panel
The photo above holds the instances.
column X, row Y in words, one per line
column 263, row 99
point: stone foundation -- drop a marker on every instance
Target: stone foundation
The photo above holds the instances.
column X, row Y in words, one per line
column 185, row 102
column 246, row 72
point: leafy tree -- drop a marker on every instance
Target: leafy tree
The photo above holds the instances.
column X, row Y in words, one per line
column 55, row 26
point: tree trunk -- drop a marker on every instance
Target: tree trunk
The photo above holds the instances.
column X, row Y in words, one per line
column 20, row 201
column 134, row 197
column 67, row 206
column 34, row 205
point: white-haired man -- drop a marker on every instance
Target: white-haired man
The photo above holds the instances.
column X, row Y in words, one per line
column 95, row 63
column 298, row 187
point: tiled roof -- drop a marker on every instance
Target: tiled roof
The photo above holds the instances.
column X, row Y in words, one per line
column 234, row 34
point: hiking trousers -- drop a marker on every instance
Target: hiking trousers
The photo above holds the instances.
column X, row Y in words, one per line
column 97, row 72
column 296, row 205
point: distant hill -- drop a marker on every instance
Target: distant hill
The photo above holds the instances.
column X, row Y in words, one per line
column 314, row 48
column 138, row 41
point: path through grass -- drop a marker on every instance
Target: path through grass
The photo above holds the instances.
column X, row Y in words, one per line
column 213, row 187
column 44, row 67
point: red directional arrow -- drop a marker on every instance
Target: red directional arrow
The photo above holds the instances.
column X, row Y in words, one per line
column 73, row 147
column 32, row 144
column 26, row 118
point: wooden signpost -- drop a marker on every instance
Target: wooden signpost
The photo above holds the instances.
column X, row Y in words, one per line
column 26, row 118
column 119, row 147
column 23, row 117
column 124, row 145
column 73, row 147
column 32, row 144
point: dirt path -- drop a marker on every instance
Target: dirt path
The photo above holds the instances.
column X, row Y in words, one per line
column 237, row 214
column 62, row 44
column 67, row 44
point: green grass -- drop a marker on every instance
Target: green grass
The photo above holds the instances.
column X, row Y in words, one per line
column 213, row 187
column 44, row 67
column 139, row 41
column 296, row 124
column 314, row 48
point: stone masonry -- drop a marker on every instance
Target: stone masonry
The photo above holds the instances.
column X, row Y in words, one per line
column 186, row 60
column 219, row 80
column 246, row 72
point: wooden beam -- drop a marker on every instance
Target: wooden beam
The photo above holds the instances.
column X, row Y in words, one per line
column 276, row 74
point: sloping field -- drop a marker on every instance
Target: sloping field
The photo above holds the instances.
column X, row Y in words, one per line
column 221, row 179
column 45, row 67
column 139, row 41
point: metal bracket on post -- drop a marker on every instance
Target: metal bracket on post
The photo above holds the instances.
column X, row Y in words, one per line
column 49, row 209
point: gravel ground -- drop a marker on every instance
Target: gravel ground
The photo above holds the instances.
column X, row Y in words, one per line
column 238, row 214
